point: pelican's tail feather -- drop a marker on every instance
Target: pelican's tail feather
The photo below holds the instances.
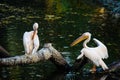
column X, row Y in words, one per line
column 103, row 65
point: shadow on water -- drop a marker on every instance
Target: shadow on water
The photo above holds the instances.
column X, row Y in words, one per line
column 60, row 22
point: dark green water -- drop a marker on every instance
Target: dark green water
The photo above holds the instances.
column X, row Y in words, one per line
column 70, row 19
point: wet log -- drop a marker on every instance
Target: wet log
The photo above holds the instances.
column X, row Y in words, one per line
column 48, row 52
column 115, row 66
column 3, row 52
column 78, row 64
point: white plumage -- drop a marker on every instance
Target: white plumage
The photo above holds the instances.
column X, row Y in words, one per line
column 31, row 40
column 95, row 54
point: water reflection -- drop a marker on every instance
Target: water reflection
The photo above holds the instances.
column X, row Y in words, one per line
column 56, row 75
column 60, row 23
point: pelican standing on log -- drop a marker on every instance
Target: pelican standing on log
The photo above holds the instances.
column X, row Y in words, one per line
column 31, row 40
column 95, row 54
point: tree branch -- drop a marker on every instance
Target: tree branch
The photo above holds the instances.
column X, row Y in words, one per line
column 46, row 53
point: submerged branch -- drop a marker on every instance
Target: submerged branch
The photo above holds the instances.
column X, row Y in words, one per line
column 112, row 68
column 3, row 53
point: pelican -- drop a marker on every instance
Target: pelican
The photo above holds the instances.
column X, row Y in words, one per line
column 31, row 40
column 94, row 54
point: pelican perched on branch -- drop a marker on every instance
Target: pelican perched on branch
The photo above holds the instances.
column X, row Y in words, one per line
column 31, row 40
column 95, row 54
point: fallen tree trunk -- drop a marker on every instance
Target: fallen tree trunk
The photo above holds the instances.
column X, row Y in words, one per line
column 46, row 53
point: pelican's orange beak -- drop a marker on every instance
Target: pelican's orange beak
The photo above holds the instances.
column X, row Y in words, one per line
column 81, row 38
column 33, row 34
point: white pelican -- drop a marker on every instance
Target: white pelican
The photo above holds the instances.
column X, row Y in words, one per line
column 31, row 40
column 95, row 54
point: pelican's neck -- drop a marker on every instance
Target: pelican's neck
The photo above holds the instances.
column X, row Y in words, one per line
column 34, row 33
column 86, row 41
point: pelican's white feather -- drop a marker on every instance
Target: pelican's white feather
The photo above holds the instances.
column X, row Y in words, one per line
column 27, row 42
column 81, row 55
